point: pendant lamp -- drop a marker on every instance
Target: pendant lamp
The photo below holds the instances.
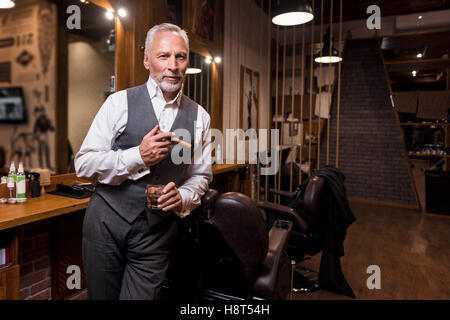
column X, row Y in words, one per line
column 191, row 70
column 292, row 13
column 329, row 55
column 6, row 4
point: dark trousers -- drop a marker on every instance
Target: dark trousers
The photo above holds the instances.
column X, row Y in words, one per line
column 122, row 260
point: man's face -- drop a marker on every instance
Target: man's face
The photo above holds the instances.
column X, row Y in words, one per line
column 167, row 60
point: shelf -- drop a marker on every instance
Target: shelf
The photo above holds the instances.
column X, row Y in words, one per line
column 297, row 121
column 423, row 124
column 288, row 121
column 4, row 266
column 426, row 155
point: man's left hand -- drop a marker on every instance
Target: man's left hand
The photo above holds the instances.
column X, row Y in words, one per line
column 170, row 199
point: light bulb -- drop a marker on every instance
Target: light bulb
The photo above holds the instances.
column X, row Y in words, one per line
column 109, row 14
column 122, row 12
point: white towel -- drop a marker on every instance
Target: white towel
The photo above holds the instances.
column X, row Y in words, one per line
column 326, row 77
column 322, row 108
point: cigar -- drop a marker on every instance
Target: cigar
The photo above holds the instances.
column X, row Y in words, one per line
column 179, row 141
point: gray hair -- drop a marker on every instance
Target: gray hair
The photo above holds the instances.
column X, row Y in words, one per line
column 164, row 27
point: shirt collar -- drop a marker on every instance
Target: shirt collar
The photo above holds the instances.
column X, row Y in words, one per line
column 155, row 91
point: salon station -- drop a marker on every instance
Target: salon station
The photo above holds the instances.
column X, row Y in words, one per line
column 326, row 124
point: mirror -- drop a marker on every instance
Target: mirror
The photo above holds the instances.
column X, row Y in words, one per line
column 198, row 80
column 91, row 52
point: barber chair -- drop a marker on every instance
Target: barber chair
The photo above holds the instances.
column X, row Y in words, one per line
column 305, row 236
column 224, row 252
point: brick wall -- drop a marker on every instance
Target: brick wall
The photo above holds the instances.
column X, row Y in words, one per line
column 34, row 260
column 371, row 153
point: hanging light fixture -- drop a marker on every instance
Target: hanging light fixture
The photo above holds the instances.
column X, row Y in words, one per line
column 329, row 55
column 193, row 70
column 292, row 13
column 6, row 4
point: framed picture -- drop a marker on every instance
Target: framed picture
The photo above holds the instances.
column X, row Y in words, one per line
column 203, row 22
column 175, row 12
column 249, row 107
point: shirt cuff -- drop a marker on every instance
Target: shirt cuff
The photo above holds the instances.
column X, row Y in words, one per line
column 185, row 210
column 136, row 166
column 133, row 157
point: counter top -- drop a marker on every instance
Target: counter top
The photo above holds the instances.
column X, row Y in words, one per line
column 48, row 205
column 36, row 209
column 221, row 168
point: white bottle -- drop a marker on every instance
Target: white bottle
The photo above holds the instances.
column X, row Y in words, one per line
column 219, row 154
column 20, row 184
column 11, row 183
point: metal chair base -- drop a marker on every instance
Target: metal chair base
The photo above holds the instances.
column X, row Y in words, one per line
column 303, row 280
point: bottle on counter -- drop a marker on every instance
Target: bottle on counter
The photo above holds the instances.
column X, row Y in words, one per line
column 219, row 154
column 11, row 183
column 21, row 184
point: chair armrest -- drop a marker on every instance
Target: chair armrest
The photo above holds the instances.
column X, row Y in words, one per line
column 209, row 198
column 268, row 280
column 283, row 211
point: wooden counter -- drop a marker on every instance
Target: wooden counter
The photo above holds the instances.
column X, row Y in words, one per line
column 36, row 209
column 48, row 205
column 221, row 168
column 40, row 208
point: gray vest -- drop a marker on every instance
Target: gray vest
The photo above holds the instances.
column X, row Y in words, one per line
column 129, row 198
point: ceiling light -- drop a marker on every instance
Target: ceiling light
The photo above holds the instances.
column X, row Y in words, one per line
column 414, row 73
column 328, row 55
column 420, row 17
column 122, row 12
column 6, row 4
column 84, row 1
column 109, row 14
column 419, row 55
column 217, row 60
column 208, row 60
column 193, row 70
column 328, row 59
column 292, row 13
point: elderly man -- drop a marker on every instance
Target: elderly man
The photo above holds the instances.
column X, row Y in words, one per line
column 125, row 243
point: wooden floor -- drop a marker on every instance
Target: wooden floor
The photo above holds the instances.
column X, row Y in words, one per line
column 411, row 249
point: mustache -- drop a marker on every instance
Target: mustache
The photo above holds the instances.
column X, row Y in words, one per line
column 178, row 76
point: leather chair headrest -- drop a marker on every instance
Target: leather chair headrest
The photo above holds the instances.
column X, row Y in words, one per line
column 313, row 196
column 242, row 226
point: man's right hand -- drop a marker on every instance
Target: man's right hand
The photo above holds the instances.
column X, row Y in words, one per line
column 155, row 146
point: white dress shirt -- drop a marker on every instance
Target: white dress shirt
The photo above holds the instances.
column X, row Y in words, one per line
column 97, row 161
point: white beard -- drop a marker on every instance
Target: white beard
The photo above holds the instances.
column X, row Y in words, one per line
column 169, row 87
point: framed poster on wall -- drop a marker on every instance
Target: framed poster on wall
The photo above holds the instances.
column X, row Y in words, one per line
column 249, row 100
column 203, row 24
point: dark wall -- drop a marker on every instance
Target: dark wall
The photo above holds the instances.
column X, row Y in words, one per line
column 371, row 153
